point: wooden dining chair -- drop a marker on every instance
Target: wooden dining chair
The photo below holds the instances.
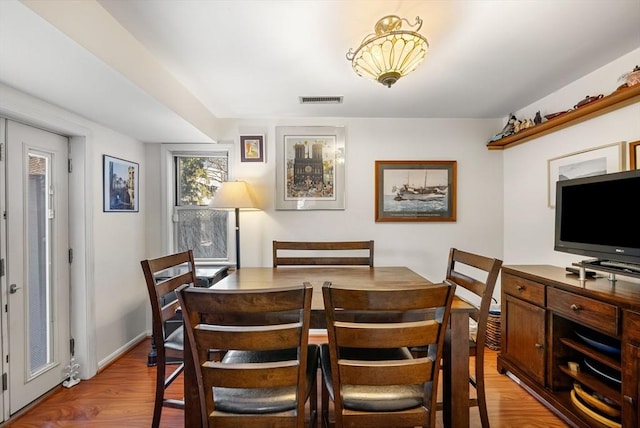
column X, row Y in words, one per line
column 368, row 371
column 330, row 253
column 267, row 370
column 163, row 275
column 477, row 274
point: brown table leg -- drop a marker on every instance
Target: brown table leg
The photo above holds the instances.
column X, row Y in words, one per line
column 191, row 406
column 455, row 382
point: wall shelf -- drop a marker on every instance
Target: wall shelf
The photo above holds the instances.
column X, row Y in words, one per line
column 618, row 99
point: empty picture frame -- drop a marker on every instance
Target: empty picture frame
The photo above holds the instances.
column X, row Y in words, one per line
column 634, row 155
column 586, row 163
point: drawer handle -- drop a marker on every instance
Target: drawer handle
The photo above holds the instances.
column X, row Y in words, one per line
column 628, row 399
column 575, row 307
column 539, row 346
column 519, row 288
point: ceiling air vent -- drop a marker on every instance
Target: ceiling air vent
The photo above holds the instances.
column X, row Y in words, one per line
column 320, row 100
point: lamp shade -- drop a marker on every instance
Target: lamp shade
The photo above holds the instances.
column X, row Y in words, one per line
column 233, row 194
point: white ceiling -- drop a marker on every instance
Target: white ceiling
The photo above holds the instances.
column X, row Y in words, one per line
column 171, row 70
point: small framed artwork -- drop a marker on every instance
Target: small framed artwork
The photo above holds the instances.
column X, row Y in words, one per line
column 415, row 191
column 252, row 148
column 120, row 185
column 310, row 165
column 634, row 155
column 586, row 163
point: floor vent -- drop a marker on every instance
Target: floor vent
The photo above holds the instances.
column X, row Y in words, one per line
column 320, row 100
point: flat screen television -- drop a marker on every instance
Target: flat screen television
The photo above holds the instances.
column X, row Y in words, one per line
column 599, row 217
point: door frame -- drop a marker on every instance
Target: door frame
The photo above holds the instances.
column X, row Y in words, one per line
column 81, row 201
column 4, row 319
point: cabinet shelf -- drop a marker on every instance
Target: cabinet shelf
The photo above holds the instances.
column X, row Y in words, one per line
column 595, row 384
column 618, row 99
column 591, row 353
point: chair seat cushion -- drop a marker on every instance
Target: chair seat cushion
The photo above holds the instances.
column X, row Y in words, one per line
column 373, row 398
column 264, row 400
column 175, row 340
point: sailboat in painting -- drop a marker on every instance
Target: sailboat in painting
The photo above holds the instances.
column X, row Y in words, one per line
column 407, row 192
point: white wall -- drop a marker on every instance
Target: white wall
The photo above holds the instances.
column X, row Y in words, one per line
column 121, row 296
column 421, row 246
column 528, row 221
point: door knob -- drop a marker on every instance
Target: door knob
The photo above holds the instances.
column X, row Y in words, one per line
column 13, row 288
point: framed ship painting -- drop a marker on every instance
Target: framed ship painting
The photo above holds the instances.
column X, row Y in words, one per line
column 310, row 165
column 415, row 191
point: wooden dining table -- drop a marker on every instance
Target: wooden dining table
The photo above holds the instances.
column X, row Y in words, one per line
column 456, row 353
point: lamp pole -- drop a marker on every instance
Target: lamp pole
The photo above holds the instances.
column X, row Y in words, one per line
column 237, row 238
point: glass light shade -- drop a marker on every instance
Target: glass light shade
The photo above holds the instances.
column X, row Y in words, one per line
column 390, row 53
column 233, row 194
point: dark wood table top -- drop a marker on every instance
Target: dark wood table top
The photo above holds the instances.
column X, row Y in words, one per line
column 356, row 276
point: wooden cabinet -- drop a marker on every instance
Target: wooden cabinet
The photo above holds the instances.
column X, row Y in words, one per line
column 631, row 356
column 523, row 325
column 558, row 332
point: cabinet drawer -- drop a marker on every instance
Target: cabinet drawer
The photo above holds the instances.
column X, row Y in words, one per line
column 532, row 292
column 592, row 313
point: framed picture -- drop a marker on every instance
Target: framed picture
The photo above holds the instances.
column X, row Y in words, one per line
column 634, row 155
column 599, row 160
column 120, row 185
column 416, row 191
column 252, row 148
column 310, row 165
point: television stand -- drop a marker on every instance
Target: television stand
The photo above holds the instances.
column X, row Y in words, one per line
column 612, row 267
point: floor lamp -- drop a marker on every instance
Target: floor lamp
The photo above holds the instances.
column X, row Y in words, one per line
column 234, row 195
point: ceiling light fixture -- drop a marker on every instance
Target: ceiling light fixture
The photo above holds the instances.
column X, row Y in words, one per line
column 390, row 53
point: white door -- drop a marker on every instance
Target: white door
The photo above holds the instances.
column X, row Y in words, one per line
column 37, row 262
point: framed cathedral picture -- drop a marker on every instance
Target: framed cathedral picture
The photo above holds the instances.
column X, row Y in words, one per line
column 310, row 166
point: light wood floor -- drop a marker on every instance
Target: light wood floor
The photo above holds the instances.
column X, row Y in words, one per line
column 122, row 396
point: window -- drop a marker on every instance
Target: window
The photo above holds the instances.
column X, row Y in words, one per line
column 195, row 177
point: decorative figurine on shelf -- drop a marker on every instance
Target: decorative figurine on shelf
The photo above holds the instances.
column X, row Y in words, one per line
column 587, row 100
column 509, row 128
column 631, row 78
column 518, row 125
column 538, row 119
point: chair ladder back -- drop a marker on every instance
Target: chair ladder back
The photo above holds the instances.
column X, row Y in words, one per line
column 316, row 248
column 386, row 335
column 248, row 338
column 257, row 355
column 367, row 355
column 163, row 275
column 482, row 288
